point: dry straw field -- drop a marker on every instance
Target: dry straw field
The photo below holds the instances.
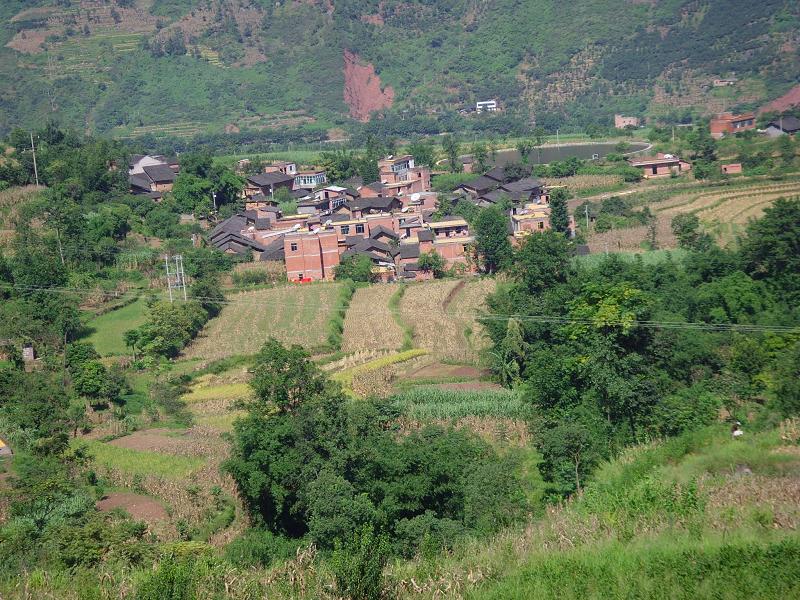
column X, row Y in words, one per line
column 370, row 324
column 296, row 314
column 443, row 315
column 724, row 212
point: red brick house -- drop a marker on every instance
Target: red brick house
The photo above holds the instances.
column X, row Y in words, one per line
column 661, row 165
column 728, row 124
column 731, row 169
column 311, row 256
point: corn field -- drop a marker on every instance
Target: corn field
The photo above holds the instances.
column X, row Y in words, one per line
column 432, row 403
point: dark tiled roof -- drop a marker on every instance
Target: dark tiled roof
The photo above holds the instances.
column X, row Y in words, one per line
column 409, row 250
column 263, row 223
column 273, row 250
column 139, row 181
column 375, row 186
column 267, row 179
column 160, row 173
column 425, row 235
column 412, row 266
column 480, row 184
column 789, row 124
column 523, row 185
column 497, row 173
column 352, row 240
column 381, row 230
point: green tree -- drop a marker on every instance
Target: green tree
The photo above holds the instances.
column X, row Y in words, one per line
column 524, row 148
column 423, row 152
column 451, row 148
column 543, row 260
column 491, row 239
column 433, row 262
column 192, row 194
column 770, row 250
column 357, row 268
column 480, row 155
column 559, row 215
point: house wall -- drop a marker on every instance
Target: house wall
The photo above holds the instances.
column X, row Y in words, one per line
column 162, row 187
column 621, row 122
column 311, row 256
column 732, row 169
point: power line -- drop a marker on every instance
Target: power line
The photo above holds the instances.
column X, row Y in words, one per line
column 541, row 319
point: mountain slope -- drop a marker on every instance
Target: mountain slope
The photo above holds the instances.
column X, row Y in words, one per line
column 145, row 66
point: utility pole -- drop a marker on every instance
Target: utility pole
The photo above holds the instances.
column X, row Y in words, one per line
column 169, row 279
column 180, row 276
column 586, row 208
column 557, row 142
column 35, row 168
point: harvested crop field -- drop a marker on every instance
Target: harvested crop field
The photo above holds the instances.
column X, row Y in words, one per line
column 724, row 212
column 141, row 508
column 296, row 314
column 444, row 316
column 370, row 323
column 167, row 441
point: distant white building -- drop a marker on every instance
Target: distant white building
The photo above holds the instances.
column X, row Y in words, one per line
column 486, row 106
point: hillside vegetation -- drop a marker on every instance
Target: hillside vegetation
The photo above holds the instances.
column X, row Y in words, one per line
column 231, row 65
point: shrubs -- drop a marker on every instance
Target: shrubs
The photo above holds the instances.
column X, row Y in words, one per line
column 358, row 565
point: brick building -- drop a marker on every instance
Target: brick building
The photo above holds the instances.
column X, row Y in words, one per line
column 661, row 165
column 311, row 256
column 728, row 124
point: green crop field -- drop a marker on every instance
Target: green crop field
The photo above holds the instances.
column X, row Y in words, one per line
column 138, row 462
column 426, row 403
column 108, row 329
column 294, row 314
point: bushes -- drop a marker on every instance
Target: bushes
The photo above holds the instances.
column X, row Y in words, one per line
column 358, row 565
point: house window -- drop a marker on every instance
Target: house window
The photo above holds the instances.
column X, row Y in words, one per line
column 654, row 170
column 293, row 247
column 345, row 229
column 359, row 228
column 541, row 225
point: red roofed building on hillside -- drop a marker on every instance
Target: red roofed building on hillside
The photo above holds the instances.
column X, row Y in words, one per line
column 728, row 124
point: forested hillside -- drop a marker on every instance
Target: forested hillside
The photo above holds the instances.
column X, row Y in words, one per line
column 139, row 67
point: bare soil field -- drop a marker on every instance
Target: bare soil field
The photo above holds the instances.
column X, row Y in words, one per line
column 141, row 508
column 168, row 441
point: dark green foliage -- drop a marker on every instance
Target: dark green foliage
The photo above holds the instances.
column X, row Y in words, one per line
column 604, row 360
column 355, row 268
column 432, row 261
column 491, row 239
column 771, row 250
column 686, row 227
column 358, row 565
column 559, row 216
column 306, row 464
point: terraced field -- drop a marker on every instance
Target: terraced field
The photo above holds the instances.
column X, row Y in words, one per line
column 292, row 314
column 370, row 323
column 443, row 315
column 724, row 213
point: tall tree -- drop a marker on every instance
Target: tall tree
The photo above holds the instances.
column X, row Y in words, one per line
column 491, row 239
column 559, row 215
column 451, row 148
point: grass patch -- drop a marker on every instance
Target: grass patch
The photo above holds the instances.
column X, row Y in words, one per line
column 687, row 569
column 136, row 462
column 394, row 308
column 108, row 329
column 222, row 422
column 225, row 391
column 651, row 257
